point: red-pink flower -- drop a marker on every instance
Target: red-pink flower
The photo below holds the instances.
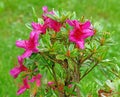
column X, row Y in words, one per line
column 30, row 45
column 50, row 83
column 17, row 70
column 39, row 28
column 37, row 79
column 24, row 87
column 80, row 32
column 50, row 22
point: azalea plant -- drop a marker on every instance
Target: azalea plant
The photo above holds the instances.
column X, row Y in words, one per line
column 60, row 52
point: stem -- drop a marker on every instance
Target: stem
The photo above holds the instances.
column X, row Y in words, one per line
column 54, row 75
column 54, row 61
column 82, row 60
column 112, row 72
column 56, row 82
column 89, row 70
column 77, row 80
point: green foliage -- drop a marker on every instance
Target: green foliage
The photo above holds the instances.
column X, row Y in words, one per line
column 14, row 14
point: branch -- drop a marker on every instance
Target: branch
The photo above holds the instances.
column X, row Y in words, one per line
column 55, row 61
column 82, row 60
column 89, row 70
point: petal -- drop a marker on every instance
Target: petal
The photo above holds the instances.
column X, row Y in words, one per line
column 53, row 24
column 45, row 9
column 21, row 90
column 26, row 54
column 25, row 81
column 50, row 83
column 70, row 22
column 38, row 83
column 87, row 33
column 33, row 79
column 81, row 44
column 71, row 38
column 20, row 60
column 34, row 35
column 35, row 50
column 35, row 26
column 23, row 68
column 73, row 23
column 39, row 76
column 86, row 25
column 21, row 43
column 15, row 72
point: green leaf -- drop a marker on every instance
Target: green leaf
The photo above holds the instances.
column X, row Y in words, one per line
column 40, row 20
column 60, row 57
column 35, row 18
column 51, row 16
column 46, row 40
column 71, row 47
column 110, row 84
column 28, row 25
column 74, row 53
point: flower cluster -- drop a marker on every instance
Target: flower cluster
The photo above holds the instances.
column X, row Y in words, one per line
column 77, row 35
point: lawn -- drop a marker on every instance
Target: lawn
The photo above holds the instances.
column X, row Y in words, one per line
column 14, row 14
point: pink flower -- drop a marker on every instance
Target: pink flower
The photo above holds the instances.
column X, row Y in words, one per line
column 39, row 28
column 50, row 83
column 17, row 70
column 80, row 32
column 70, row 86
column 45, row 10
column 24, row 87
column 36, row 79
column 30, row 45
column 52, row 24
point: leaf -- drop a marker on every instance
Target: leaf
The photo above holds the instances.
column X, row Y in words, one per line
column 74, row 53
column 73, row 15
column 71, row 47
column 60, row 57
column 28, row 25
column 51, row 16
column 110, row 84
column 35, row 18
column 46, row 40
column 40, row 20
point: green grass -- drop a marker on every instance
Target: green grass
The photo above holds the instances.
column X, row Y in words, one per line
column 14, row 14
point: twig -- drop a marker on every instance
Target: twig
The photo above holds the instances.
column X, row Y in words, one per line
column 82, row 60
column 89, row 70
column 49, row 58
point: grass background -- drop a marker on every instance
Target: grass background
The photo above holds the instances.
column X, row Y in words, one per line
column 14, row 14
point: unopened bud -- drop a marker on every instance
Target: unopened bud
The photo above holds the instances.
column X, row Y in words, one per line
column 102, row 41
column 68, row 53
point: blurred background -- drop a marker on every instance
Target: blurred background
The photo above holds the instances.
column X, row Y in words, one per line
column 14, row 14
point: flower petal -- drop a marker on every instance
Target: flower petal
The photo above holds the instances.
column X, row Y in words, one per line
column 21, row 43
column 15, row 72
column 53, row 24
column 26, row 54
column 87, row 33
column 33, row 79
column 38, row 83
column 86, row 25
column 73, row 23
column 45, row 9
column 21, row 90
column 35, row 26
column 25, row 81
column 20, row 60
column 50, row 83
column 81, row 44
